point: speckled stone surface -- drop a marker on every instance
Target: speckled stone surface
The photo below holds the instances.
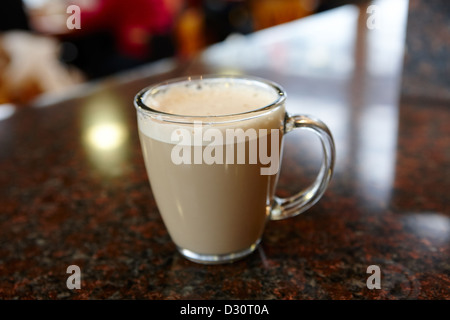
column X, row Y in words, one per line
column 65, row 200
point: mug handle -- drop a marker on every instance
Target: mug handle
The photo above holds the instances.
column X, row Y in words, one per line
column 291, row 206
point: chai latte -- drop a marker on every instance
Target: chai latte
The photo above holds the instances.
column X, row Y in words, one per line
column 211, row 208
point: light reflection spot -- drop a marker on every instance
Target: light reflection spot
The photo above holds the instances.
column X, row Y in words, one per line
column 106, row 136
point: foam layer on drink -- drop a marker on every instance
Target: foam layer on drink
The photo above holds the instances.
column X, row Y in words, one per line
column 210, row 98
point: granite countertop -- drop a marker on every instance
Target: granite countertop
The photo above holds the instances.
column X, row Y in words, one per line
column 67, row 198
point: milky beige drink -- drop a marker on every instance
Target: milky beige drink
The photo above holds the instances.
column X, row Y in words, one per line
column 217, row 208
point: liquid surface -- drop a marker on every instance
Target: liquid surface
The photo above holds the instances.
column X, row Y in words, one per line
column 211, row 98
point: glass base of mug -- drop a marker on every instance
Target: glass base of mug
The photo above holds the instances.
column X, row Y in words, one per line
column 217, row 258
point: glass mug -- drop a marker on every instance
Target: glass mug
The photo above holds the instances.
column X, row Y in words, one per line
column 212, row 147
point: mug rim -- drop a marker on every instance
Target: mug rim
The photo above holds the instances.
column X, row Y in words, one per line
column 145, row 109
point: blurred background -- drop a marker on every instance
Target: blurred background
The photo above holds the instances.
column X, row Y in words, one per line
column 48, row 46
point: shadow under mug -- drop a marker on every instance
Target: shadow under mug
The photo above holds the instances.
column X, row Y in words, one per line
column 214, row 200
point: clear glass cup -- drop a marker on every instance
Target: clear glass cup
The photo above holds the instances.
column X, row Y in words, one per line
column 214, row 176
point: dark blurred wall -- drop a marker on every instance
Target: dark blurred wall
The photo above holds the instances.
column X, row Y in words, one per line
column 12, row 16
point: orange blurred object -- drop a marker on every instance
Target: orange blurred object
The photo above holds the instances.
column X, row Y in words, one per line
column 267, row 13
column 189, row 32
